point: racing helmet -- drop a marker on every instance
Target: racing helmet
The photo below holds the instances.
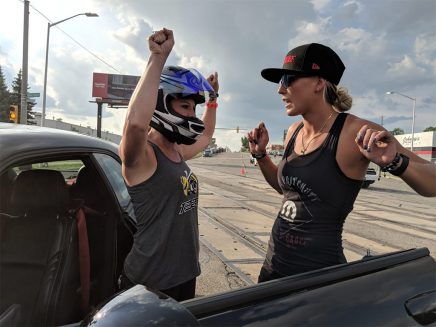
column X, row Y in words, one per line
column 175, row 83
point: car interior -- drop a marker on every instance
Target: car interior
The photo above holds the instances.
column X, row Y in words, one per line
column 59, row 232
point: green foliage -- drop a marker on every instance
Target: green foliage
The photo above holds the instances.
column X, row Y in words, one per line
column 4, row 98
column 244, row 141
column 430, row 129
column 16, row 99
column 397, row 131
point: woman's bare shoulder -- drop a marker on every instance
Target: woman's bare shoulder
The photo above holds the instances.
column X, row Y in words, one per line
column 354, row 124
column 292, row 129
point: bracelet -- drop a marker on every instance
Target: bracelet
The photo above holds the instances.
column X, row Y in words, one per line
column 211, row 105
column 258, row 156
column 393, row 167
column 213, row 95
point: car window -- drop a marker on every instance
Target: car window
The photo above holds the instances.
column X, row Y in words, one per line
column 68, row 168
column 112, row 170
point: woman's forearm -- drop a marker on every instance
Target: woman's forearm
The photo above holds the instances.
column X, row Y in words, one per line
column 421, row 177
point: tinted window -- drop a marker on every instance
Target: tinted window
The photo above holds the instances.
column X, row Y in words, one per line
column 112, row 170
column 68, row 169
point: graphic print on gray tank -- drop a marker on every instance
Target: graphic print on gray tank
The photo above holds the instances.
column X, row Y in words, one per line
column 190, row 186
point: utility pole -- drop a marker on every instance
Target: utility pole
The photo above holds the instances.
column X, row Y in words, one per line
column 23, row 111
column 381, row 123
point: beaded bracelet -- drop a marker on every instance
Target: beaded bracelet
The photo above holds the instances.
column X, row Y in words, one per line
column 393, row 167
column 258, row 156
column 211, row 105
column 213, row 95
column 393, row 164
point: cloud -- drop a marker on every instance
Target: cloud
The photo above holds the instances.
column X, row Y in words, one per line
column 406, row 68
column 425, row 49
column 135, row 35
column 385, row 45
column 319, row 4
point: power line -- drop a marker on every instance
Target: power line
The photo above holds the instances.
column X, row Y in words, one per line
column 77, row 42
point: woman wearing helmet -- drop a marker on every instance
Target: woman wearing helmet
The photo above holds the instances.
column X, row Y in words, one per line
column 161, row 131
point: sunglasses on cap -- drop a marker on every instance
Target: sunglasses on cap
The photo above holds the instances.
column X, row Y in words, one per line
column 287, row 80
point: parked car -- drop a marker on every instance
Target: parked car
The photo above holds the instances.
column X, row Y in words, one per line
column 207, row 153
column 49, row 180
column 63, row 245
column 370, row 177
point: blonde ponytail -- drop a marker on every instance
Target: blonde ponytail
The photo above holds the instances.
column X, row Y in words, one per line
column 337, row 97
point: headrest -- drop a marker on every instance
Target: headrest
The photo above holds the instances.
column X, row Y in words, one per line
column 85, row 179
column 39, row 191
column 87, row 187
column 6, row 181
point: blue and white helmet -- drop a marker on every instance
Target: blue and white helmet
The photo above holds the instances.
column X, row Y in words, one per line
column 175, row 83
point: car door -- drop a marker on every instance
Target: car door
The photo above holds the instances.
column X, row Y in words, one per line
column 111, row 168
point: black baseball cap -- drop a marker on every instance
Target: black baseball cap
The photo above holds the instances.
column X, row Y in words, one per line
column 312, row 59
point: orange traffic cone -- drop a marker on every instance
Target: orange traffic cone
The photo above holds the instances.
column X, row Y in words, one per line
column 243, row 170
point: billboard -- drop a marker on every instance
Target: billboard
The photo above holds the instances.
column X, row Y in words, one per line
column 113, row 88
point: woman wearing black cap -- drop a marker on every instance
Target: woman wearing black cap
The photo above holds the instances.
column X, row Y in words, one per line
column 324, row 163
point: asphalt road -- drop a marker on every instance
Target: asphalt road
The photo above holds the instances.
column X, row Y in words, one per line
column 237, row 209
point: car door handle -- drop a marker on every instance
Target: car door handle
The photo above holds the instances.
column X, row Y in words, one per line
column 422, row 307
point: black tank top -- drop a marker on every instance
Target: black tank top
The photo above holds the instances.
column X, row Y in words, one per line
column 307, row 233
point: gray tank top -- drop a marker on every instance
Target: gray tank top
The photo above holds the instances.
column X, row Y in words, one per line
column 166, row 245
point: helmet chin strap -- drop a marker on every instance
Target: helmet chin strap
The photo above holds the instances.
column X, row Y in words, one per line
column 174, row 138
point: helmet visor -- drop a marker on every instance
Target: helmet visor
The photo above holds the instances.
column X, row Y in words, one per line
column 186, row 83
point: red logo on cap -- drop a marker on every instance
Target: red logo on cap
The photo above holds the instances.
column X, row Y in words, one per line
column 315, row 66
column 289, row 59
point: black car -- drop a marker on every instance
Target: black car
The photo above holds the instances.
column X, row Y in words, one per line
column 66, row 225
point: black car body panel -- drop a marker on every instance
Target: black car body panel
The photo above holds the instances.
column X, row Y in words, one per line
column 141, row 307
column 373, row 292
column 21, row 141
column 391, row 289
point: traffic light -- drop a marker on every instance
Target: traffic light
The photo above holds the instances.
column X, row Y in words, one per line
column 13, row 114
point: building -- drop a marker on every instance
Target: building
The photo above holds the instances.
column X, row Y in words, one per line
column 86, row 130
column 424, row 144
column 275, row 147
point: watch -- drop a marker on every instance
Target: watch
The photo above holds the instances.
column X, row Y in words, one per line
column 258, row 156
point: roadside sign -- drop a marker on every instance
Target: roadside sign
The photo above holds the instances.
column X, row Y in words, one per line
column 33, row 95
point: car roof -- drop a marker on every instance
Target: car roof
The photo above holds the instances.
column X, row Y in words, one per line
column 17, row 138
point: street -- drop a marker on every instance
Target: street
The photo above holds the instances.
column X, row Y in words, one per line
column 237, row 209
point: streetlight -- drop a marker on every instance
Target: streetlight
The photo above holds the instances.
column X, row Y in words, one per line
column 413, row 112
column 87, row 14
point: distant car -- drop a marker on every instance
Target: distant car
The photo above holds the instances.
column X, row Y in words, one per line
column 67, row 224
column 207, row 153
column 370, row 177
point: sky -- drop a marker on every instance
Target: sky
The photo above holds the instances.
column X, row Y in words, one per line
column 387, row 45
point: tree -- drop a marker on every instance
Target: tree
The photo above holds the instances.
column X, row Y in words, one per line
column 397, row 131
column 4, row 98
column 430, row 129
column 244, row 141
column 16, row 99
